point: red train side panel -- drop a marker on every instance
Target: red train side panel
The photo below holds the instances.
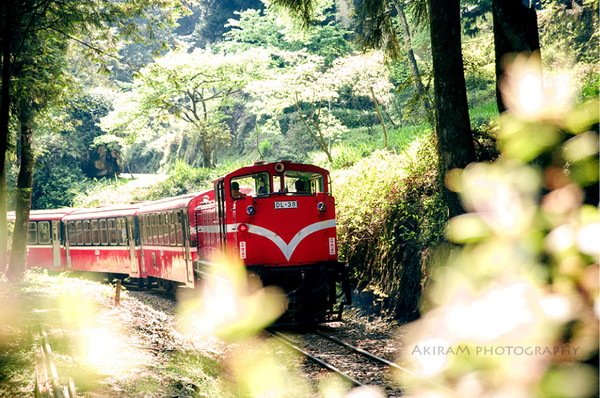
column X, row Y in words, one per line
column 102, row 239
column 168, row 238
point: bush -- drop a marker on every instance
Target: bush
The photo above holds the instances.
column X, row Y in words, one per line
column 390, row 212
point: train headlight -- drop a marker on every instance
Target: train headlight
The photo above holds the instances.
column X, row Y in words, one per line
column 243, row 228
column 251, row 210
column 321, row 206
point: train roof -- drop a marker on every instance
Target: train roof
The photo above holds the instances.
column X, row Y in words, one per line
column 260, row 166
column 47, row 214
column 174, row 203
column 118, row 210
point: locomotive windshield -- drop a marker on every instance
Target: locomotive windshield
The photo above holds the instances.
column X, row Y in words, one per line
column 260, row 184
column 302, row 183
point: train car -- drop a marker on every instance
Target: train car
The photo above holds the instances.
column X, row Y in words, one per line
column 168, row 239
column 45, row 238
column 279, row 218
column 103, row 240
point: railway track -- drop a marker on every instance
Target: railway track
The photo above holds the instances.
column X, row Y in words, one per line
column 356, row 366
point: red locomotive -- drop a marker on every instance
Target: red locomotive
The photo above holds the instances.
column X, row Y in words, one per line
column 278, row 218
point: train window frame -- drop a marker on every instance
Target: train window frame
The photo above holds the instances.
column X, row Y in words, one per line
column 79, row 232
column 95, row 232
column 154, row 229
column 32, row 233
column 315, row 180
column 72, row 233
column 87, row 232
column 179, row 228
column 148, row 229
column 121, row 231
column 142, row 228
column 142, row 224
column 172, row 228
column 47, row 238
column 111, row 225
column 103, row 232
column 165, row 230
column 159, row 230
column 277, row 183
column 250, row 185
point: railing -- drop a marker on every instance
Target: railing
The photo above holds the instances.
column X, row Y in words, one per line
column 47, row 383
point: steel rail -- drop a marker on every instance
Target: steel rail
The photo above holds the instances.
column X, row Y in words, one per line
column 376, row 358
column 287, row 341
column 360, row 351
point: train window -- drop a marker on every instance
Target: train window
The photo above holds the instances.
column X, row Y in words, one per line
column 144, row 228
column 154, row 229
column 159, row 238
column 32, row 233
column 121, row 232
column 112, row 231
column 172, row 229
column 43, row 232
column 277, row 185
column 165, row 219
column 150, row 226
column 95, row 233
column 166, row 228
column 72, row 233
column 79, row 231
column 159, row 229
column 253, row 185
column 179, row 227
column 148, row 223
column 103, row 232
column 302, row 183
column 87, row 232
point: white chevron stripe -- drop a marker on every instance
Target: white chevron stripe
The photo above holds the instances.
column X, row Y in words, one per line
column 286, row 248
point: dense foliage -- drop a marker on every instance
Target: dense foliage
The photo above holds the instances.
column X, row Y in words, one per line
column 524, row 276
column 390, row 214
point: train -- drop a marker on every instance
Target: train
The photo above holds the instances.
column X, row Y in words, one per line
column 277, row 218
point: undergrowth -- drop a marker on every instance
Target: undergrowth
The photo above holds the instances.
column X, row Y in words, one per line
column 390, row 212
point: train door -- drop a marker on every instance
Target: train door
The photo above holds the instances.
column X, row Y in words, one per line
column 67, row 242
column 186, row 244
column 143, row 237
column 56, row 257
column 222, row 214
column 132, row 241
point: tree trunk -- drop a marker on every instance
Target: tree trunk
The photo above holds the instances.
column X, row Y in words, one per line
column 385, row 135
column 18, row 263
column 515, row 31
column 4, row 126
column 412, row 62
column 453, row 127
column 206, row 153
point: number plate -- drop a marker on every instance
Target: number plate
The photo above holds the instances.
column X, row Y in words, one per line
column 288, row 204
